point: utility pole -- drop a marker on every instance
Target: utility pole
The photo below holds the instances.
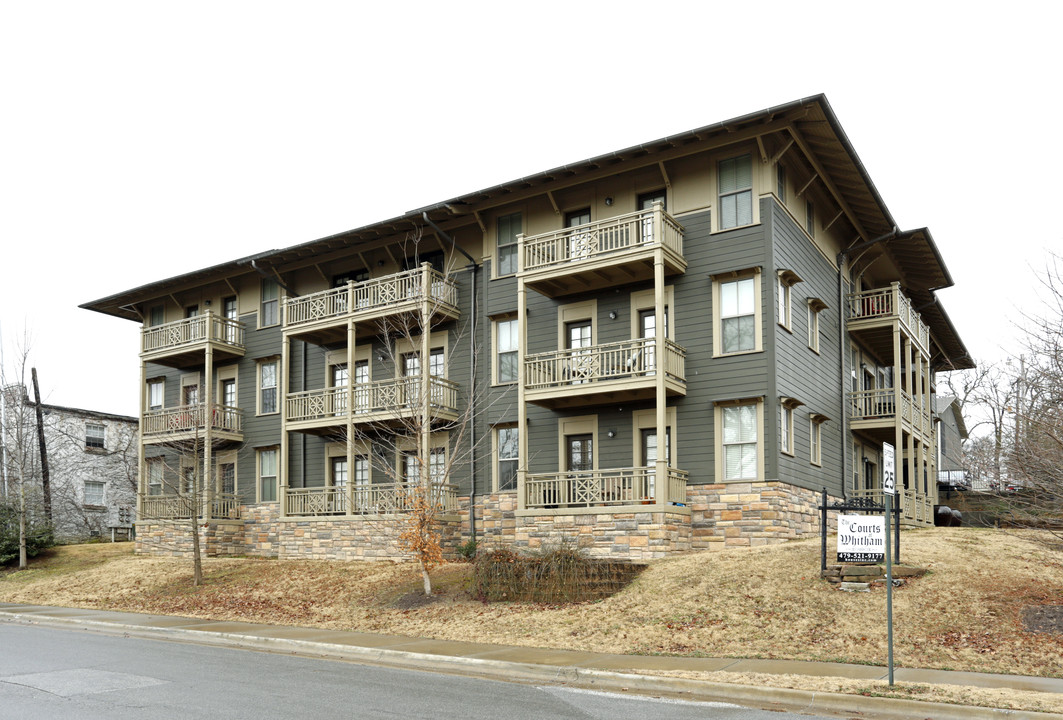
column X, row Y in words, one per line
column 45, row 483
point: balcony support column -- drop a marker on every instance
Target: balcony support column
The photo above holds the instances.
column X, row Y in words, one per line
column 522, row 351
column 660, row 363
column 282, row 470
column 426, row 375
column 142, row 480
column 348, row 490
column 898, row 412
column 207, row 411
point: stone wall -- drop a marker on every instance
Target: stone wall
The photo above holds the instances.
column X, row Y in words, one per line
column 370, row 537
column 753, row 513
column 633, row 536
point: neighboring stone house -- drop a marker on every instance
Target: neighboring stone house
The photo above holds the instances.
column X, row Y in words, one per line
column 92, row 460
column 674, row 346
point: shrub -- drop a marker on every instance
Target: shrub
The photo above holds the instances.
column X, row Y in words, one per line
column 468, row 550
column 558, row 575
column 38, row 534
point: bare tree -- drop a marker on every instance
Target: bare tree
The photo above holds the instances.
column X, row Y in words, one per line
column 987, row 397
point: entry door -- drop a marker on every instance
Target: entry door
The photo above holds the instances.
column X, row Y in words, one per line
column 648, row 328
column 361, row 483
column 646, row 202
column 228, row 311
column 194, row 330
column 649, row 457
column 580, row 453
column 579, row 243
column 190, row 394
column 338, row 379
column 411, row 370
column 578, row 342
column 361, row 386
column 338, row 470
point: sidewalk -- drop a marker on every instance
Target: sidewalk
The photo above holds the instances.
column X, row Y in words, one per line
column 586, row 669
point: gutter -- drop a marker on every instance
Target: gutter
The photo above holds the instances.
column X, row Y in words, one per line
column 843, row 335
column 473, row 267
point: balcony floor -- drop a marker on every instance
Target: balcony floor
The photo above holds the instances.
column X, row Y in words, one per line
column 602, row 392
column 585, row 275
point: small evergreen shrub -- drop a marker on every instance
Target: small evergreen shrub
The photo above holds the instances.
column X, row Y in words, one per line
column 39, row 534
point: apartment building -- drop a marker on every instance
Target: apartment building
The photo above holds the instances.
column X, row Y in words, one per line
column 674, row 346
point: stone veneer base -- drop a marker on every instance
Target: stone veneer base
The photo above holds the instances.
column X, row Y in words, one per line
column 720, row 515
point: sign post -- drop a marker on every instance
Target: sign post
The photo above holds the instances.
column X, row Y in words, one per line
column 889, row 490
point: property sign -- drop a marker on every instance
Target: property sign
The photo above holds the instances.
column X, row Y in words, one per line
column 889, row 477
column 861, row 538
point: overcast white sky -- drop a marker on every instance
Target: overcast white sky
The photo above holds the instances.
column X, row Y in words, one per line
column 140, row 140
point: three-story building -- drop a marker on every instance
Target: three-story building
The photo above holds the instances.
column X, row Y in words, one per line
column 671, row 347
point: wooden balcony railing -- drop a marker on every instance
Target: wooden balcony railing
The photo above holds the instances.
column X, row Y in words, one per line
column 880, row 404
column 182, row 334
column 399, row 396
column 372, row 297
column 181, row 507
column 888, row 304
column 382, row 499
column 915, row 508
column 603, row 488
column 187, row 420
column 599, row 363
column 643, row 229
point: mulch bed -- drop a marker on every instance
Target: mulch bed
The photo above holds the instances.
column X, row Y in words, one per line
column 1043, row 618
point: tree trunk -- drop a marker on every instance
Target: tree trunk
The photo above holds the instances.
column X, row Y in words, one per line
column 22, row 561
column 427, row 581
column 46, row 485
column 197, row 563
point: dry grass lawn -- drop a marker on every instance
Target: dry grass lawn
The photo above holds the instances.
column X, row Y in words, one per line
column 768, row 602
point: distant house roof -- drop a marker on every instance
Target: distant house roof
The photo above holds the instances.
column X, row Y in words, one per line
column 947, row 403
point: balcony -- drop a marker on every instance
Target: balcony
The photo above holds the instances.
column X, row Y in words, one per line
column 182, row 343
column 873, row 313
column 181, row 507
column 383, row 402
column 875, row 412
column 604, row 488
column 322, row 317
column 625, row 370
column 603, row 254
column 382, row 499
column 916, row 509
column 186, row 424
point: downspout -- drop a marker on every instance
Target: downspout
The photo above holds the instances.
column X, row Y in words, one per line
column 473, row 268
column 843, row 333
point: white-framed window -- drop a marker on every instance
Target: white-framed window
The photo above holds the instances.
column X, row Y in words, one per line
column 508, row 228
column 156, row 394
column 268, row 372
column 154, row 473
column 736, row 191
column 738, row 444
column 227, row 478
column 506, row 350
column 267, row 474
column 94, row 492
column 786, row 435
column 815, row 306
column 785, row 281
column 507, row 450
column 815, row 438
column 270, row 306
column 95, row 436
column 780, row 182
column 736, row 313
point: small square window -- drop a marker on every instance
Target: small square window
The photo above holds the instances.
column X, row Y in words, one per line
column 95, row 436
column 94, row 493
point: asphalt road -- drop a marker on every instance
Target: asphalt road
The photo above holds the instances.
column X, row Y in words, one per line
column 58, row 674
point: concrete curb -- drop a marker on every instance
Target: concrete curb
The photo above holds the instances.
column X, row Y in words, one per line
column 587, row 678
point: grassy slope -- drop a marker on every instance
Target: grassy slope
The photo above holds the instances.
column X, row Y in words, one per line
column 760, row 602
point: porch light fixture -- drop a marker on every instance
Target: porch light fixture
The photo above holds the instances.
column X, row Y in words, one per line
column 612, row 314
column 609, row 201
column 611, row 433
column 380, row 358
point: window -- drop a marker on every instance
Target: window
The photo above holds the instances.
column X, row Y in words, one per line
column 646, row 201
column 509, row 226
column 736, row 192
column 780, row 182
column 228, row 311
column 738, row 425
column 738, row 316
column 93, row 493
column 155, row 468
column 411, row 467
column 815, row 305
column 228, row 392
column 786, row 436
column 784, row 303
column 267, row 475
column 156, row 316
column 267, row 387
column 507, row 449
column 94, row 436
column 437, row 465
column 269, row 314
column 810, row 218
column 156, row 393
column 506, row 354
column 815, row 435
